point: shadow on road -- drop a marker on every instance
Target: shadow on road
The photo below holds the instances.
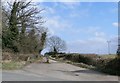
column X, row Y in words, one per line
column 87, row 72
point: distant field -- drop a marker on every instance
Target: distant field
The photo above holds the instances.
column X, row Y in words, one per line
column 112, row 56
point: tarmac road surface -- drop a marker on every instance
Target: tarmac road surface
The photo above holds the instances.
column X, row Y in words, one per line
column 55, row 71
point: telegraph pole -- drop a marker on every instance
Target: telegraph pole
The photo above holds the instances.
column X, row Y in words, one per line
column 109, row 47
column 118, row 50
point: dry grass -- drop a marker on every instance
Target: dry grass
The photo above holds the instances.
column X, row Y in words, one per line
column 11, row 65
column 112, row 56
column 11, row 61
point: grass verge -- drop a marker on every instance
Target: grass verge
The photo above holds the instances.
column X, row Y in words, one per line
column 12, row 65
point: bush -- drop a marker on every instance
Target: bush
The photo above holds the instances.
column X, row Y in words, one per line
column 110, row 66
column 7, row 56
column 50, row 53
column 17, row 57
column 113, row 65
column 84, row 58
column 53, row 54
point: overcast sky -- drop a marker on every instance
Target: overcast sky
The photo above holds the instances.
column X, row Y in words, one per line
column 85, row 26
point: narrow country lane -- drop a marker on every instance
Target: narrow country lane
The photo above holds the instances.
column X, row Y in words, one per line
column 55, row 71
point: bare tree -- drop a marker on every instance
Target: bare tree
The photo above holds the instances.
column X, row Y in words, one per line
column 56, row 44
